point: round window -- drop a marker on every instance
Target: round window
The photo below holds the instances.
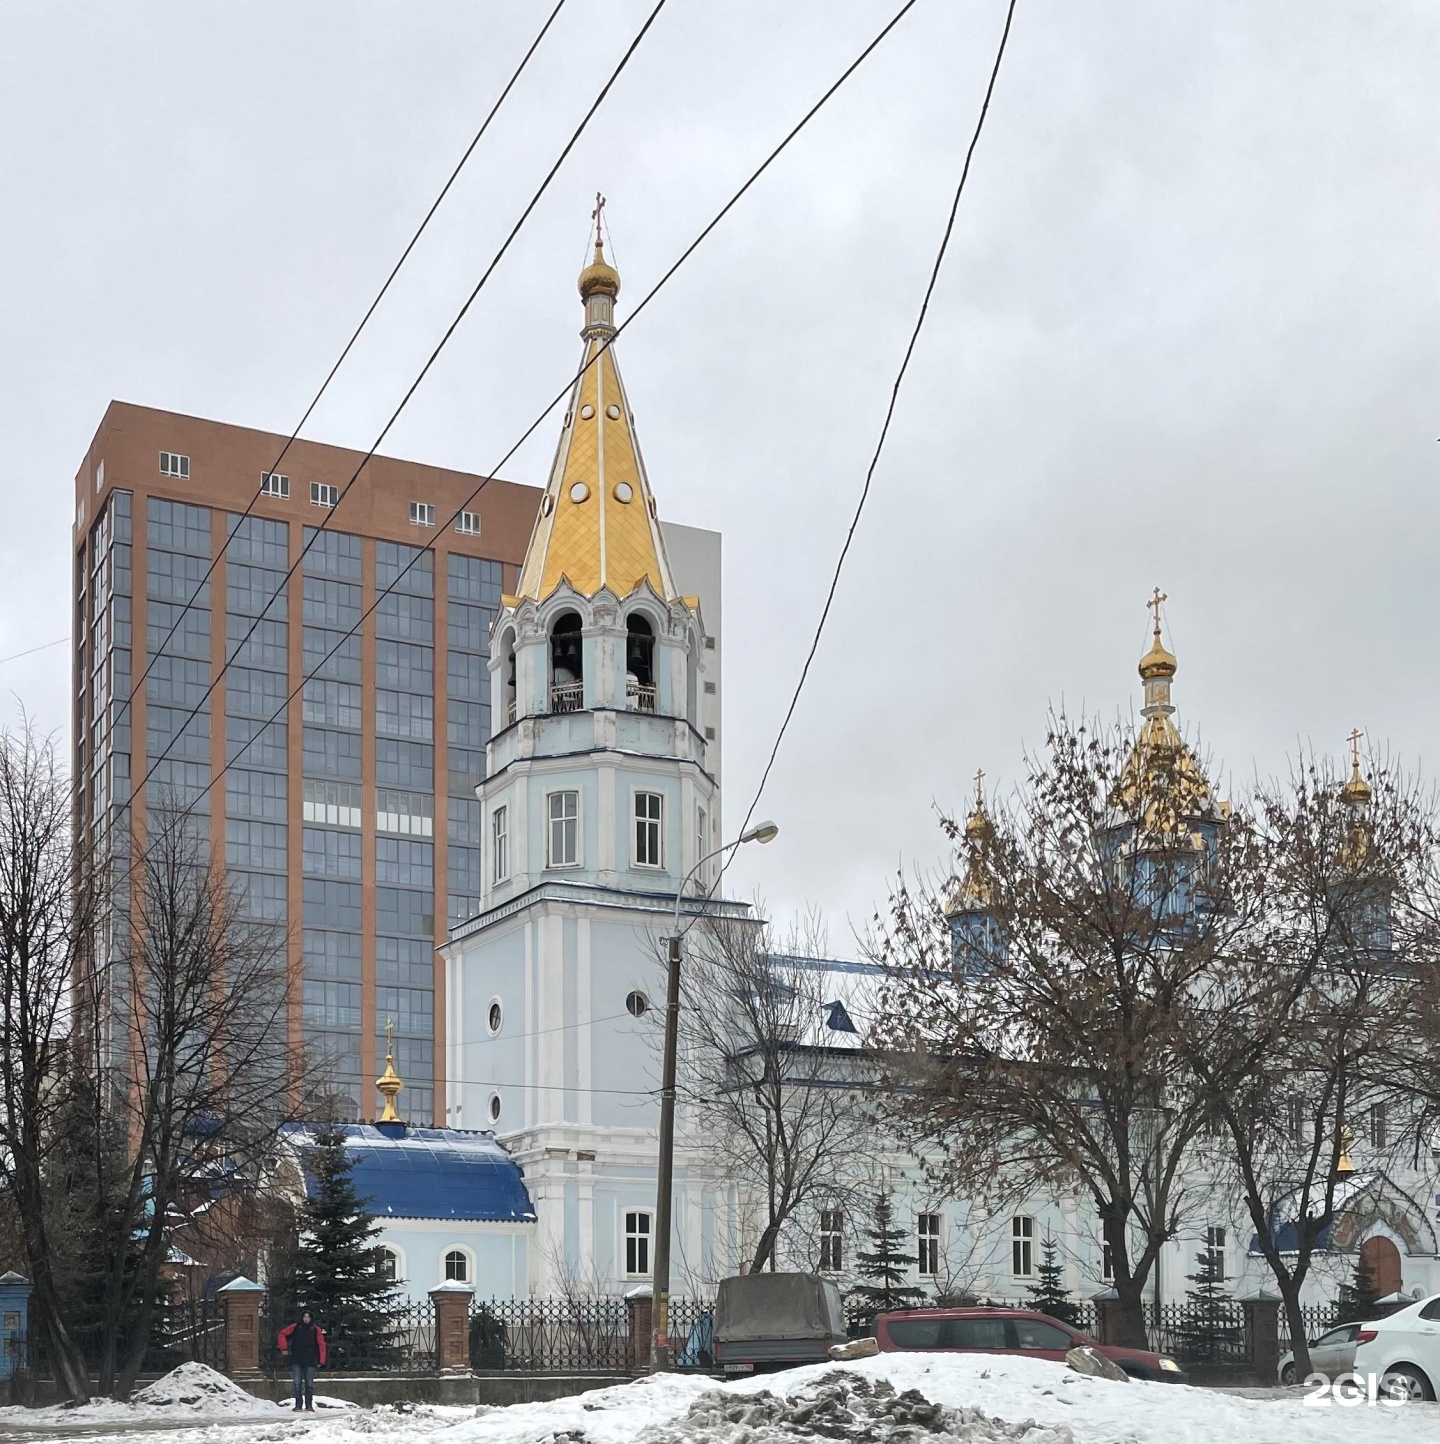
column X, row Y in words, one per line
column 613, row 412
column 587, row 411
column 637, row 1004
column 494, row 1107
column 496, row 1016
column 579, row 492
column 624, row 491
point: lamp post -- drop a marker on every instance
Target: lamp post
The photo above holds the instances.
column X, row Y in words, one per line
column 660, row 1357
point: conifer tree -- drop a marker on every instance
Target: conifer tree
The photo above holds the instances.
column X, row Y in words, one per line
column 1210, row 1332
column 883, row 1267
column 1048, row 1294
column 1359, row 1297
column 336, row 1270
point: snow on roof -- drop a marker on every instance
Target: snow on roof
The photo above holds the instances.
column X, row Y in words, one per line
column 453, row 1173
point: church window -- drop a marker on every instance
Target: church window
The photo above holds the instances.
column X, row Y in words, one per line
column 637, row 1004
column 1214, row 1255
column 1107, row 1261
column 640, row 694
column 494, row 1107
column 1022, row 1246
column 1377, row 1125
column 927, row 1228
column 832, row 1240
column 567, row 666
column 649, row 810
column 495, row 1017
column 637, row 1244
column 564, row 842
column 387, row 1265
column 1295, row 1120
column 500, row 843
column 457, row 1267
column 700, row 849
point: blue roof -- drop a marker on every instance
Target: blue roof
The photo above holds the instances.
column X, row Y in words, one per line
column 405, row 1172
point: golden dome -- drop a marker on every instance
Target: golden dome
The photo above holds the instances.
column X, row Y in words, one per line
column 599, row 277
column 1157, row 662
column 1356, row 792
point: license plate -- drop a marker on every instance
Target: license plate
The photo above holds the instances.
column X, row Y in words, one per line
column 739, row 1368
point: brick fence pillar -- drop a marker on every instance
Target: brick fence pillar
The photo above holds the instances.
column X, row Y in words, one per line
column 1262, row 1334
column 241, row 1298
column 452, row 1327
column 640, row 1307
column 1107, row 1316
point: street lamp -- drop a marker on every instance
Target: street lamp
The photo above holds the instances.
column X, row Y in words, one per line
column 660, row 1360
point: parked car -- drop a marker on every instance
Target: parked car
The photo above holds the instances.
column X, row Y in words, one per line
column 1403, row 1351
column 773, row 1321
column 1331, row 1354
column 1007, row 1331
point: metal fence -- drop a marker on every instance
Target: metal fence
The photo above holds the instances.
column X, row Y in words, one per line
column 180, row 1333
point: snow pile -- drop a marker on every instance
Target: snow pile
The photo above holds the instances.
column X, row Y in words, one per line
column 841, row 1406
column 200, row 1389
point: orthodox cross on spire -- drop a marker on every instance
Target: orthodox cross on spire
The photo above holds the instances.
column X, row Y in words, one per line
column 597, row 215
column 389, row 1083
column 979, row 788
column 1154, row 605
column 389, row 1037
column 1354, row 740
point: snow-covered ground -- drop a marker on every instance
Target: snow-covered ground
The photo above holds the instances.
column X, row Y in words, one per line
column 895, row 1398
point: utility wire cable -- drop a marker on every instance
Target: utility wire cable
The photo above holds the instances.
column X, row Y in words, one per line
column 30, row 651
column 156, row 653
column 559, row 396
column 879, row 444
column 405, row 401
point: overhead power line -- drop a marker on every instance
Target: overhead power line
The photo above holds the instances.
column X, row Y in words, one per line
column 880, row 441
column 560, row 395
column 404, row 401
column 30, row 651
column 157, row 652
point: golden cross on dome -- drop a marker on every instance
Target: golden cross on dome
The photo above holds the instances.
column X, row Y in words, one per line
column 389, row 1038
column 1154, row 605
column 597, row 215
column 1354, row 740
column 979, row 788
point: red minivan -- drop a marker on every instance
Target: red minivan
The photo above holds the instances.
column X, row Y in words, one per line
column 1007, row 1331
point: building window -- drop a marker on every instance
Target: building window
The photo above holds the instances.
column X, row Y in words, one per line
column 387, row 1265
column 637, row 1244
column 422, row 513
column 564, row 829
column 494, row 1107
column 495, row 1017
column 500, row 843
column 323, row 494
column 1214, row 1256
column 1107, row 1261
column 1022, row 1246
column 1377, row 1125
column 1295, row 1120
column 172, row 464
column 648, row 810
column 468, row 523
column 927, row 1229
column 335, row 803
column 832, row 1240
column 457, row 1267
column 637, row 1004
column 273, row 484
column 700, row 849
column 411, row 814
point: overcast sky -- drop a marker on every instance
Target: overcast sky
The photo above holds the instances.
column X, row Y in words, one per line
column 1188, row 334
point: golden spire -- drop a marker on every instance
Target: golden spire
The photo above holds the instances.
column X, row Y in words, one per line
column 1344, row 1165
column 1157, row 662
column 976, row 890
column 1356, row 792
column 389, row 1083
column 597, row 525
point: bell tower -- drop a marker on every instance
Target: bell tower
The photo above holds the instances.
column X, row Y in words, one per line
column 600, row 798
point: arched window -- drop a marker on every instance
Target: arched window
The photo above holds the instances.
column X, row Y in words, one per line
column 567, row 664
column 639, row 664
column 387, row 1265
column 507, row 674
column 457, row 1267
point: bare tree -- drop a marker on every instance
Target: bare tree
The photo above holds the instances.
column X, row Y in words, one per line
column 1035, row 1003
column 1321, row 1022
column 198, row 1073
column 46, row 912
column 771, row 1100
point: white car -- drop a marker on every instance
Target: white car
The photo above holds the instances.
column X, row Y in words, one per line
column 1403, row 1351
column 1332, row 1354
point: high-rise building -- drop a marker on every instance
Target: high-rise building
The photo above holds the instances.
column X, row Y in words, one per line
column 350, row 820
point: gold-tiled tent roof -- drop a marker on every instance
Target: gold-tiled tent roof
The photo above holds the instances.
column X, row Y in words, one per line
column 597, row 526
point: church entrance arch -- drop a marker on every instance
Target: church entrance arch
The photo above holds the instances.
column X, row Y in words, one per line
column 1382, row 1259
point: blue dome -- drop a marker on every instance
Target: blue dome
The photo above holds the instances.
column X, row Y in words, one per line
column 405, row 1172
